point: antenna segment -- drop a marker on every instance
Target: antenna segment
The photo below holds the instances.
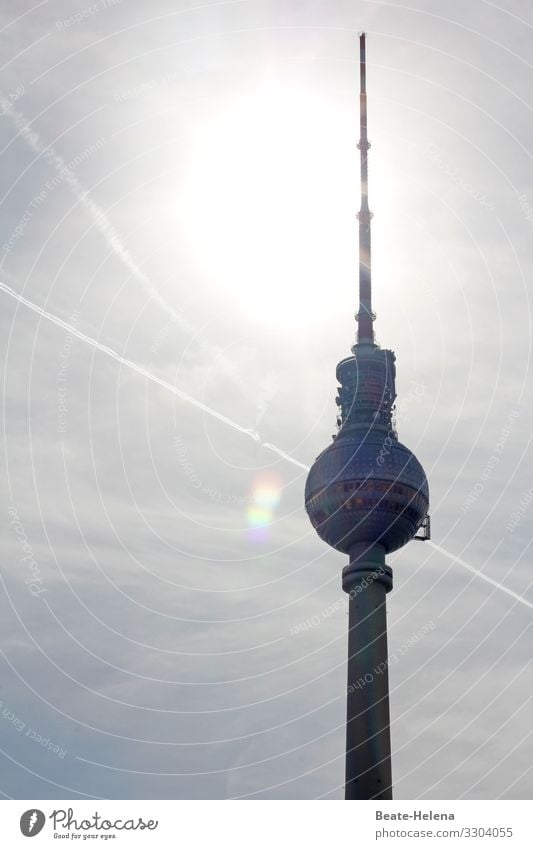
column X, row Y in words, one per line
column 365, row 316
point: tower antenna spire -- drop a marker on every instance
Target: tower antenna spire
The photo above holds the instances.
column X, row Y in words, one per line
column 365, row 316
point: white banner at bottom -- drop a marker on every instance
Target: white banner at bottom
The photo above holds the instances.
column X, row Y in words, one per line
column 267, row 824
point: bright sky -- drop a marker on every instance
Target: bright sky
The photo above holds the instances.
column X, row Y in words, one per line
column 178, row 279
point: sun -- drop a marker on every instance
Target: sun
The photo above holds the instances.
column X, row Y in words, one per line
column 270, row 198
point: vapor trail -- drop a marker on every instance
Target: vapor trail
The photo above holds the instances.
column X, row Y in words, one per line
column 97, row 214
column 111, row 235
column 280, row 453
column 128, row 363
column 209, row 410
column 480, row 574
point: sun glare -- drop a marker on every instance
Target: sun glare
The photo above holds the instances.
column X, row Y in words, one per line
column 270, row 200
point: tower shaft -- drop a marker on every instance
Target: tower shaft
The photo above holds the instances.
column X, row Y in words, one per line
column 368, row 749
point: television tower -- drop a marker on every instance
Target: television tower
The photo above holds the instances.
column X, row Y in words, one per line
column 367, row 495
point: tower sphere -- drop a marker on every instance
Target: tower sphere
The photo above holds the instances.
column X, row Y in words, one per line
column 366, row 487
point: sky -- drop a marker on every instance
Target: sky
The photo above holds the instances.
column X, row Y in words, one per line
column 178, row 268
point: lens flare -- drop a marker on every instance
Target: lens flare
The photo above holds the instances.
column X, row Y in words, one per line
column 266, row 493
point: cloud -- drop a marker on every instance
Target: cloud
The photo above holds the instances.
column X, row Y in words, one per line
column 161, row 656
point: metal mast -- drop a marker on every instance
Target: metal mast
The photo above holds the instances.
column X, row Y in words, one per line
column 365, row 316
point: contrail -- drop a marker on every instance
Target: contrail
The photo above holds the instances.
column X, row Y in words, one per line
column 111, row 235
column 98, row 215
column 480, row 574
column 215, row 414
column 128, row 363
column 285, row 456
